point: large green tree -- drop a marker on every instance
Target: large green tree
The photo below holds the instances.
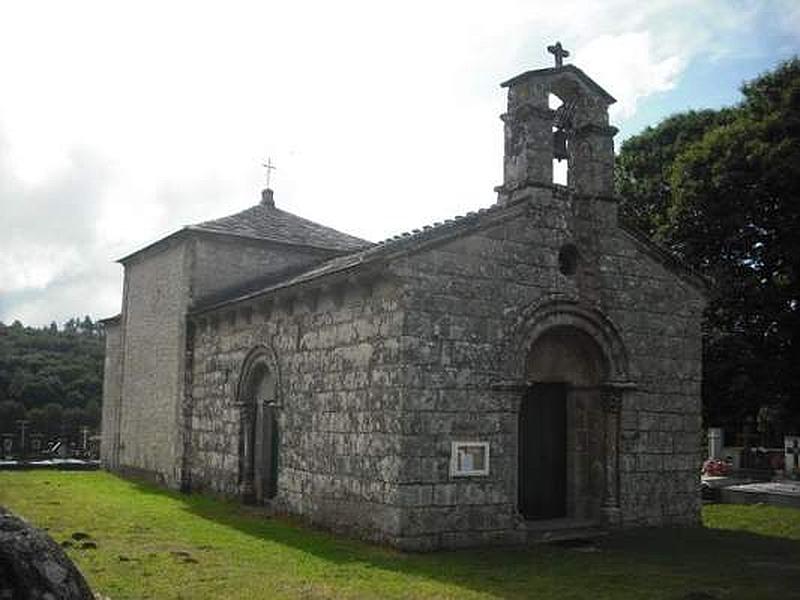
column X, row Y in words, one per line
column 720, row 189
column 51, row 377
column 644, row 166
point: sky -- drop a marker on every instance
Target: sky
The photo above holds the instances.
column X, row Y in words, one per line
column 121, row 122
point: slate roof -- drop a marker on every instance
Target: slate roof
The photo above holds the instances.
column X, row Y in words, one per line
column 266, row 222
column 418, row 239
column 385, row 250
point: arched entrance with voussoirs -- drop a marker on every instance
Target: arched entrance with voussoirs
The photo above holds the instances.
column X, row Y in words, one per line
column 575, row 368
column 257, row 400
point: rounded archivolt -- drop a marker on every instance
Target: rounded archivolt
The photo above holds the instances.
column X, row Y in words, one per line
column 258, row 359
column 259, row 426
column 542, row 319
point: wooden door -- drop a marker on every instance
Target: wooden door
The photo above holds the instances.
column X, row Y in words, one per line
column 266, row 452
column 542, row 448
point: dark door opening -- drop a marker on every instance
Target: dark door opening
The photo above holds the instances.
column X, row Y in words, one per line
column 265, row 452
column 543, row 452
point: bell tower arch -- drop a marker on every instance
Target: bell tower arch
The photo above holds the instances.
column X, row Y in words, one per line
column 536, row 134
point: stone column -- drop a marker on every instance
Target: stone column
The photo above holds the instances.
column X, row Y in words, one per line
column 247, row 415
column 612, row 405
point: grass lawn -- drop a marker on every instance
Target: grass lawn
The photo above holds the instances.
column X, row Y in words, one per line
column 157, row 544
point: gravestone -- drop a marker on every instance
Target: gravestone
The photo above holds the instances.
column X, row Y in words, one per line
column 8, row 446
column 715, row 442
column 37, row 443
column 791, row 445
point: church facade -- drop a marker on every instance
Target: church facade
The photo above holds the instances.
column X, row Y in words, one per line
column 528, row 371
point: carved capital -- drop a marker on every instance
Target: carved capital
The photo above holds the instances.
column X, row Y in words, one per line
column 590, row 129
column 612, row 399
column 247, row 410
column 526, row 111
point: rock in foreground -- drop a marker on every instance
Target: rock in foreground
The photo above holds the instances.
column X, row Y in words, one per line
column 33, row 566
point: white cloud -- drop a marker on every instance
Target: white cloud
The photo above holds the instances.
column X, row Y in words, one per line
column 123, row 122
column 628, row 64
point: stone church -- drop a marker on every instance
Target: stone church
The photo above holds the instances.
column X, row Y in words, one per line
column 527, row 371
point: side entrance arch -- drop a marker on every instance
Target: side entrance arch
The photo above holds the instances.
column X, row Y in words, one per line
column 258, row 431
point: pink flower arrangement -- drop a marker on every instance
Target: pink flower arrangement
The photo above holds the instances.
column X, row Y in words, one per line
column 716, row 467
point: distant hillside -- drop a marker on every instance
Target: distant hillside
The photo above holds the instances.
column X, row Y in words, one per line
column 51, row 376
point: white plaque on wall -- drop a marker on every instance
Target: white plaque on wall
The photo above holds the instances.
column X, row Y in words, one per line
column 469, row 459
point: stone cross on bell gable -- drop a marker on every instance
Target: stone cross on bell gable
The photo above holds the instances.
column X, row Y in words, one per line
column 560, row 54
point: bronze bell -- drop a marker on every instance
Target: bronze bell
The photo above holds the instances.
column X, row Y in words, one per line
column 560, row 144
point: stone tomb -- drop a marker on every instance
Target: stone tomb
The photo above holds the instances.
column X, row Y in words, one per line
column 8, row 445
column 791, row 463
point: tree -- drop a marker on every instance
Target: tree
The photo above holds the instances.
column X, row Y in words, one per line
column 725, row 200
column 48, row 419
column 643, row 170
column 37, row 419
column 73, row 420
column 92, row 413
column 10, row 413
column 44, row 365
column 735, row 215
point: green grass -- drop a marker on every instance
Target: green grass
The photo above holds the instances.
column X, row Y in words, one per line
column 157, row 544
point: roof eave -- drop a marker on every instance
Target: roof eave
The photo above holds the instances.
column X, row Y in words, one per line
column 383, row 252
column 565, row 69
column 203, row 230
column 190, row 229
column 669, row 260
column 175, row 235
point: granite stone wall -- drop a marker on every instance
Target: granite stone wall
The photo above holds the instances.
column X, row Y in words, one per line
column 112, row 394
column 143, row 407
column 468, row 303
column 661, row 422
column 377, row 380
column 153, row 346
column 339, row 387
column 221, row 262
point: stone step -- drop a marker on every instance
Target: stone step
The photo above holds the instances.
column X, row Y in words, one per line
column 562, row 530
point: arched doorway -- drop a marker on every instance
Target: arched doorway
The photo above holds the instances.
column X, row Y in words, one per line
column 562, row 451
column 259, row 434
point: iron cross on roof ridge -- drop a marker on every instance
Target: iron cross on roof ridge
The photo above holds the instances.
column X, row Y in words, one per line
column 269, row 167
column 560, row 54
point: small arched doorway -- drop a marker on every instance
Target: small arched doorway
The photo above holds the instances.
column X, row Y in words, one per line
column 562, row 461
column 259, row 434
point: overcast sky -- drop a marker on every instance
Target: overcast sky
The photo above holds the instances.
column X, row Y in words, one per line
column 121, row 122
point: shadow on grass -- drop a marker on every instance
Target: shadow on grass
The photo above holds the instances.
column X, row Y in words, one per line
column 658, row 563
